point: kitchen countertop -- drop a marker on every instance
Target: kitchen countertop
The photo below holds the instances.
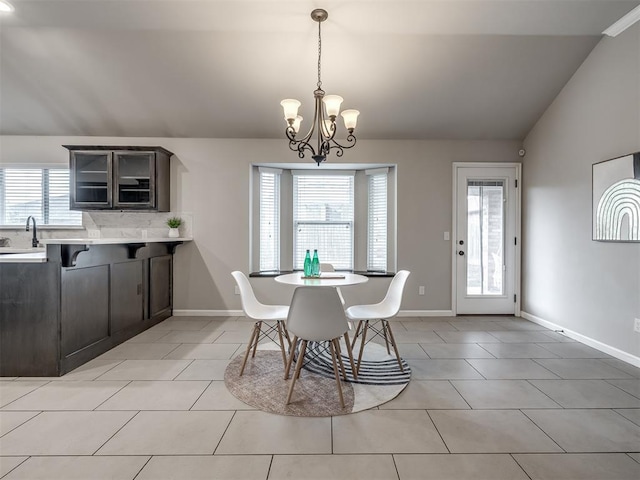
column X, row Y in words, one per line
column 5, row 250
column 39, row 257
column 110, row 241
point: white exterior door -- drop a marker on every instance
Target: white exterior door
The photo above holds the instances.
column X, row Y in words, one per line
column 486, row 240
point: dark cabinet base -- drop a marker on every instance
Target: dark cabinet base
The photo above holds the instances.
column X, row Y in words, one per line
column 55, row 318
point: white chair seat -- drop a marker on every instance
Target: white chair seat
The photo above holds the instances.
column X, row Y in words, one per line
column 368, row 312
column 270, row 312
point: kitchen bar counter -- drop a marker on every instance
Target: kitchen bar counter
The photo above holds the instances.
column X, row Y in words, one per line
column 110, row 241
column 63, row 307
column 38, row 257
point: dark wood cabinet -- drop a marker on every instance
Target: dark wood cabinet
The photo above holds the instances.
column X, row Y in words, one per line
column 85, row 300
column 119, row 178
column 84, row 307
column 127, row 295
column 160, row 285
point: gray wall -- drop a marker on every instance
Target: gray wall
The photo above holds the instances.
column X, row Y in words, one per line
column 592, row 288
column 210, row 179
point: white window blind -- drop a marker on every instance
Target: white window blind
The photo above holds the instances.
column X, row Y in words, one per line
column 323, row 212
column 269, row 220
column 377, row 234
column 40, row 192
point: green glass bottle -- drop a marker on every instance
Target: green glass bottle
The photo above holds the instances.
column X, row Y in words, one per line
column 307, row 265
column 315, row 264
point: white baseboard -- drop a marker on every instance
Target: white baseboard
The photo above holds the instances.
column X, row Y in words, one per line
column 425, row 313
column 208, row 313
column 239, row 313
column 603, row 347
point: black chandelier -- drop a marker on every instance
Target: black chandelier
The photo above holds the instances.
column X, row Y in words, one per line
column 324, row 125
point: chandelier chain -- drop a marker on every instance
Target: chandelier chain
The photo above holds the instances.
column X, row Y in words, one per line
column 319, row 55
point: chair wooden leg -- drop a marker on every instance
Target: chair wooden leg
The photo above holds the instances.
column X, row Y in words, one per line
column 362, row 342
column 386, row 339
column 395, row 346
column 291, row 352
column 336, row 342
column 355, row 335
column 335, row 371
column 350, row 352
column 303, row 348
column 246, row 355
column 255, row 345
column 286, row 333
column 284, row 355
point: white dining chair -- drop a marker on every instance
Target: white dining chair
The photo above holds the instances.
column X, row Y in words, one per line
column 328, row 267
column 262, row 313
column 368, row 316
column 316, row 314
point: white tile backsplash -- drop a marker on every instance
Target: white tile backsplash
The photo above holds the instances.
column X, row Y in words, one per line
column 107, row 225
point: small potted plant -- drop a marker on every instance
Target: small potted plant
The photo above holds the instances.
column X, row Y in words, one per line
column 173, row 223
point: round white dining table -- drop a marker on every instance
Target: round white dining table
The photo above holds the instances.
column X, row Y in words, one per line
column 326, row 279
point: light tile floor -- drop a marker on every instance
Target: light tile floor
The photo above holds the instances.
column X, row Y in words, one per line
column 491, row 397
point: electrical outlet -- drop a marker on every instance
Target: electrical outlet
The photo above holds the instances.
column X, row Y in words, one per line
column 636, row 325
column 237, row 290
column 143, row 233
column 93, row 233
column 446, row 236
column 421, row 290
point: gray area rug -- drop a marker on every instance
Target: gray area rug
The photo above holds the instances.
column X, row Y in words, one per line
column 316, row 395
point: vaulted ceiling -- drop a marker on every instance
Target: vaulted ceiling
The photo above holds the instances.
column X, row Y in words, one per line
column 449, row 69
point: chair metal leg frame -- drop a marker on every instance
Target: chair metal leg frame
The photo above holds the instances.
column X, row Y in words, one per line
column 344, row 371
column 269, row 332
column 385, row 332
column 299, row 362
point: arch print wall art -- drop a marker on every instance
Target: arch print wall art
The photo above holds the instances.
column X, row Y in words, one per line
column 616, row 199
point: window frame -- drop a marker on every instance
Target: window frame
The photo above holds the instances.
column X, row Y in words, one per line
column 360, row 227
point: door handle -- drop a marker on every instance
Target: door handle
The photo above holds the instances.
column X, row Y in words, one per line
column 461, row 253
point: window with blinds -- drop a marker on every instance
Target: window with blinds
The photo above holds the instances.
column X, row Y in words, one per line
column 323, row 212
column 40, row 192
column 269, row 219
column 377, row 225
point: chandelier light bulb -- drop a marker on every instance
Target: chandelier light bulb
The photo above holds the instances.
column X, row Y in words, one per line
column 350, row 119
column 296, row 123
column 290, row 107
column 332, row 104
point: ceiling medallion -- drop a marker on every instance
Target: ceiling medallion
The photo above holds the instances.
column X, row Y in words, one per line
column 324, row 124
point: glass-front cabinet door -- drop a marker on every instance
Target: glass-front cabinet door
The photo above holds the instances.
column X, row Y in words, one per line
column 133, row 174
column 91, row 179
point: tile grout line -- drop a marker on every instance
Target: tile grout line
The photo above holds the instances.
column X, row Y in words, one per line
column 114, row 433
column 199, row 396
column 142, row 468
column 225, row 432
column 528, row 380
column 521, row 467
column 127, row 382
column 395, row 465
column 541, row 429
column 437, row 430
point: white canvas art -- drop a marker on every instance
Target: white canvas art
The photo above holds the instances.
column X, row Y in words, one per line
column 616, row 199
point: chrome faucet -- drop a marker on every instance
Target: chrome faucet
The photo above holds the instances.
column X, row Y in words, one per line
column 34, row 239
